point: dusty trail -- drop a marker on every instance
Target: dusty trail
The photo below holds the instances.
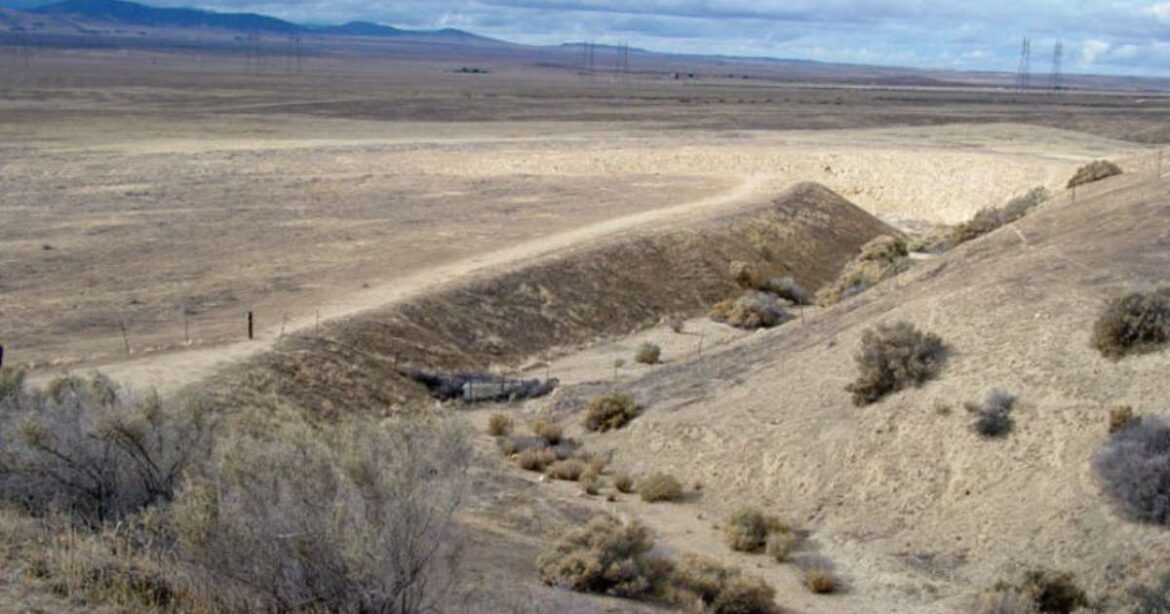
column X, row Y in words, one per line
column 172, row 371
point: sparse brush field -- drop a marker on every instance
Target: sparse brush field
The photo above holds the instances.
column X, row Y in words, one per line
column 648, row 255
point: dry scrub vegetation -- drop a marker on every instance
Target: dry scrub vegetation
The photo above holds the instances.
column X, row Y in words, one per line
column 892, row 358
column 1135, row 323
column 1133, row 468
column 1094, row 171
column 610, row 412
column 880, row 259
column 159, row 508
column 611, row 558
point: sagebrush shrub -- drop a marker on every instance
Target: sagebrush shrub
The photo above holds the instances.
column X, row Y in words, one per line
column 358, row 518
column 648, row 354
column 610, row 411
column 787, row 289
column 86, row 446
column 605, row 557
column 892, row 358
column 748, row 528
column 781, row 545
column 623, row 483
column 1054, row 591
column 880, row 259
column 1153, row 599
column 1135, row 323
column 987, row 220
column 993, row 417
column 1094, row 171
column 535, row 459
column 820, row 581
column 660, row 487
column 1133, row 469
column 750, row 311
column 715, row 589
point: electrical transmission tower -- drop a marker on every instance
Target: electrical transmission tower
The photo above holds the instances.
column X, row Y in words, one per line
column 624, row 59
column 1024, row 77
column 1055, row 82
column 294, row 53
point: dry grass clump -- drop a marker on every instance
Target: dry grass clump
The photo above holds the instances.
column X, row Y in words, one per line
column 820, row 581
column 500, row 425
column 987, row 220
column 591, row 480
column 892, row 358
column 568, row 470
column 11, row 384
column 660, row 487
column 85, row 446
column 610, row 412
column 744, row 273
column 781, row 545
column 605, row 557
column 1133, row 469
column 750, row 311
column 1094, row 171
column 1135, row 323
column 549, row 432
column 648, row 354
column 712, row 588
column 748, row 528
column 993, row 417
column 1121, row 417
column 1040, row 591
column 880, row 259
column 623, row 483
column 357, row 518
column 535, row 459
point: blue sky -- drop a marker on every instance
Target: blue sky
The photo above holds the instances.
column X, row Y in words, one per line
column 1100, row 36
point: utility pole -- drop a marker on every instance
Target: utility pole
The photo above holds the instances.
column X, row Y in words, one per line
column 1024, row 76
column 1055, row 81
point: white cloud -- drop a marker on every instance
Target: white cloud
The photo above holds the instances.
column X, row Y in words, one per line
column 1092, row 49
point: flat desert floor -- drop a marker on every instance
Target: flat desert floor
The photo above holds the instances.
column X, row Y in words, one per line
column 149, row 217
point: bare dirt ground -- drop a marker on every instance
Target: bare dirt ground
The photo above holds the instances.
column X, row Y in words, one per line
column 173, row 199
column 169, row 212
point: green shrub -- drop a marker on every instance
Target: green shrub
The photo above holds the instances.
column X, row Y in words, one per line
column 892, row 358
column 610, row 412
column 1136, row 323
column 1094, row 171
column 660, row 487
column 648, row 354
column 748, row 528
column 715, row 589
column 605, row 557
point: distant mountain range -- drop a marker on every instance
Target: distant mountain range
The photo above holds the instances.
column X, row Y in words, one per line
column 123, row 13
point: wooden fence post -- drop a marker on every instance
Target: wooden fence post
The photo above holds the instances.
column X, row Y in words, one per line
column 251, row 334
column 1, row 355
column 125, row 338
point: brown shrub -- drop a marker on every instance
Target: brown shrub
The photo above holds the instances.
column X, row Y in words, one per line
column 892, row 358
column 534, row 459
column 591, row 481
column 660, row 487
column 499, row 425
column 781, row 545
column 1120, row 417
column 605, row 557
column 744, row 273
column 820, row 581
column 610, row 412
column 648, row 354
column 991, row 219
column 880, row 259
column 1040, row 591
column 623, row 483
column 748, row 528
column 715, row 589
column 549, row 432
column 1136, row 323
column 750, row 311
column 568, row 470
column 1094, row 171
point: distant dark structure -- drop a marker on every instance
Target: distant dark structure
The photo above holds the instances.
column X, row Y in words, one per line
column 1024, row 77
column 1056, row 81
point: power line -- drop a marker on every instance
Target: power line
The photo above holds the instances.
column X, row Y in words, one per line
column 1024, row 75
column 1056, row 81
